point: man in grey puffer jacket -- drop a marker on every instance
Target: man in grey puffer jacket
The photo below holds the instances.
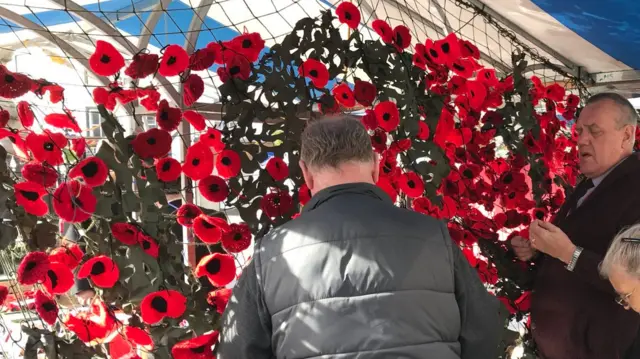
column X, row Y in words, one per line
column 355, row 276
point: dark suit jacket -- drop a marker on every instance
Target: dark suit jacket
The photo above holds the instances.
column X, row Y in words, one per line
column 574, row 314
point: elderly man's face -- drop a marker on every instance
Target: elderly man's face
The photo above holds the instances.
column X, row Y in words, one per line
column 603, row 140
column 627, row 288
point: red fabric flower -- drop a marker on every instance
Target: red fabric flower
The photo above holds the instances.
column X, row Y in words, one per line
column 237, row 238
column 423, row 131
column 46, row 308
column 248, row 45
column 78, row 146
column 343, row 94
column 168, row 118
column 365, row 92
column 213, row 188
column 202, row 59
column 385, row 184
column 156, row 306
column 195, row 348
column 219, row 268
column 148, row 245
column 126, row 233
column 47, row 147
column 74, row 202
column 238, row 66
column 328, row 105
column 304, row 194
column 401, row 37
column 228, row 164
column 29, row 196
column 384, row 30
column 187, row 213
column 62, row 121
column 198, row 162
column 70, row 255
column 195, row 119
column 388, row 115
column 25, row 114
column 142, row 66
column 13, row 85
column 92, row 170
column 174, row 61
column 316, row 71
column 4, row 117
column 4, row 293
column 102, row 271
column 468, row 49
column 348, row 14
column 445, row 50
column 369, row 120
column 276, row 204
column 150, row 97
column 40, row 174
column 277, row 169
column 33, row 268
column 193, row 88
column 218, row 298
column 209, row 229
column 168, row 169
column 462, row 67
column 106, row 60
column 213, row 139
column 59, row 278
column 138, row 337
column 94, row 326
column 411, row 184
column 154, row 143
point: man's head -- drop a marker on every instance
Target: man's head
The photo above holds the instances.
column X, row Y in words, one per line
column 337, row 151
column 606, row 133
column 621, row 265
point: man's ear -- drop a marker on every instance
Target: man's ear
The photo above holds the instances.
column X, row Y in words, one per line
column 376, row 167
column 629, row 134
column 308, row 178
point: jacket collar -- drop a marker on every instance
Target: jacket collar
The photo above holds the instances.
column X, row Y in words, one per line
column 326, row 194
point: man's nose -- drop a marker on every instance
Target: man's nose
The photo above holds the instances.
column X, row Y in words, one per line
column 583, row 138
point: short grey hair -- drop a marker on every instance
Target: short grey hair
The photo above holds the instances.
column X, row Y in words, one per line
column 623, row 253
column 629, row 113
column 332, row 141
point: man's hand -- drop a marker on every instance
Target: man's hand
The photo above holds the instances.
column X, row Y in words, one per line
column 551, row 240
column 522, row 248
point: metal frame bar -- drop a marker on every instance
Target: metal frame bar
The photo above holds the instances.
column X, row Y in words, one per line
column 616, row 77
column 196, row 24
column 150, row 24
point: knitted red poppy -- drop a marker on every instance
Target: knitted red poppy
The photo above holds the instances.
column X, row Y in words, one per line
column 13, row 85
column 47, row 147
column 401, row 37
column 78, row 146
column 168, row 118
column 91, row 327
column 74, row 202
column 202, row 59
column 213, row 188
column 174, row 61
column 25, row 114
column 384, row 30
column 33, row 268
column 237, row 238
column 238, row 66
column 219, row 268
column 40, row 174
column 423, row 131
column 187, row 213
column 195, row 119
column 195, row 348
column 102, row 271
column 228, row 164
column 156, row 306
column 154, row 143
column 365, row 92
column 468, row 49
column 369, row 120
column 213, row 139
column 142, row 66
column 70, row 255
column 219, row 298
column 193, row 87
column 62, row 121
column 150, row 97
column 343, row 94
column 4, row 293
column 106, row 60
column 411, row 184
column 209, row 229
column 59, row 278
column 198, row 162
column 148, row 245
column 248, row 45
column 388, row 115
column 29, row 196
column 138, row 337
column 316, row 71
column 4, row 117
column 92, row 170
column 304, row 194
column 126, row 233
column 277, row 169
column 46, row 308
column 385, row 184
column 168, row 169
column 276, row 204
column 348, row 14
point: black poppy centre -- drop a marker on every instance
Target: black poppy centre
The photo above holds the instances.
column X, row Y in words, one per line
column 433, row 53
column 199, row 350
column 399, row 39
column 214, row 188
column 53, row 278
column 151, row 141
column 31, row 196
column 411, row 184
column 166, row 166
column 246, row 44
column 458, row 67
column 8, row 78
column 445, row 48
column 172, row 60
column 164, row 116
column 146, row 245
column 48, row 146
column 90, row 169
column 386, row 116
column 237, row 236
column 159, row 304
column 234, row 70
column 208, row 225
column 508, row 178
column 213, row 266
column 98, row 268
column 105, row 59
column 31, row 265
column 226, row 161
column 313, row 73
column 49, row 306
column 195, row 161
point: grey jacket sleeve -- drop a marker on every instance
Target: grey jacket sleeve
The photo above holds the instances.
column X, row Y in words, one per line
column 482, row 315
column 246, row 324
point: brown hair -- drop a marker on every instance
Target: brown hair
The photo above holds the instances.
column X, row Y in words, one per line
column 332, row 141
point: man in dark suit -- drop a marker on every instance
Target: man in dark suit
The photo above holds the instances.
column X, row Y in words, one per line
column 574, row 314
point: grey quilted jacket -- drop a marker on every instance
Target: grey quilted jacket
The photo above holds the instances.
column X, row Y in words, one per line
column 356, row 277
